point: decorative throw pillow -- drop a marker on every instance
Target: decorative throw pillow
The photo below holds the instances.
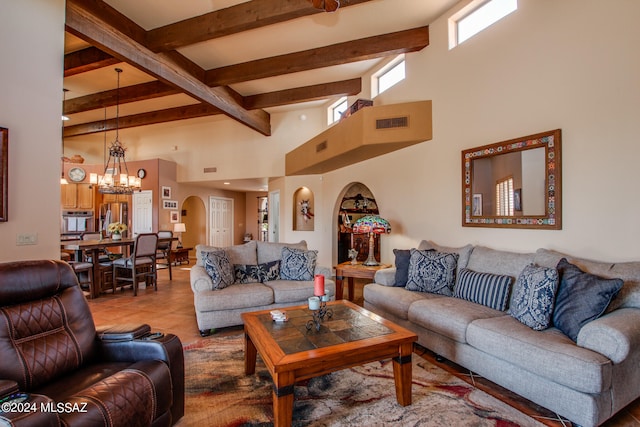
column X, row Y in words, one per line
column 487, row 289
column 582, row 297
column 533, row 296
column 269, row 271
column 297, row 264
column 219, row 268
column 402, row 266
column 432, row 271
column 246, row 273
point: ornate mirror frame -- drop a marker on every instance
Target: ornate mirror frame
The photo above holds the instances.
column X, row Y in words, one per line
column 552, row 219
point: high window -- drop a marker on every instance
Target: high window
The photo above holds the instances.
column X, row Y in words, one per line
column 389, row 75
column 337, row 109
column 476, row 17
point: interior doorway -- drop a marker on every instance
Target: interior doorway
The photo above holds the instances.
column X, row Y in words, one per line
column 193, row 215
column 357, row 201
column 220, row 222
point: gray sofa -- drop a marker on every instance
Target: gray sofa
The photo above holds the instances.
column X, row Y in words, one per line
column 219, row 308
column 586, row 381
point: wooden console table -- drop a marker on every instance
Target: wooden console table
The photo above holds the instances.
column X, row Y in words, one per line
column 351, row 271
column 180, row 255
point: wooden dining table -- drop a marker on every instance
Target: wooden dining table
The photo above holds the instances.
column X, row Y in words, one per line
column 94, row 247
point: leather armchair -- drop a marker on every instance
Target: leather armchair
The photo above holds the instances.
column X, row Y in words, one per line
column 51, row 350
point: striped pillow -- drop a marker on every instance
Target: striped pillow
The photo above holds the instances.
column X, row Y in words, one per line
column 487, row 289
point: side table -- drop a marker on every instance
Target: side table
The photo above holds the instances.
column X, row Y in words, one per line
column 180, row 255
column 351, row 271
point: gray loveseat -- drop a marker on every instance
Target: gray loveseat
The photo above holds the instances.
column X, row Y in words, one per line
column 219, row 308
column 587, row 380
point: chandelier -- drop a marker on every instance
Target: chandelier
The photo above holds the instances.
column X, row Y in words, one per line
column 116, row 178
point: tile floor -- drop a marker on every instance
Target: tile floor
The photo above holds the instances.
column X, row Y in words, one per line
column 170, row 310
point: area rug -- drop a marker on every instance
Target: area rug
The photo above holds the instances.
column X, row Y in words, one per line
column 218, row 393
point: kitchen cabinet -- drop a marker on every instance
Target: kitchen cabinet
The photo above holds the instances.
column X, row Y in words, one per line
column 115, row 198
column 76, row 196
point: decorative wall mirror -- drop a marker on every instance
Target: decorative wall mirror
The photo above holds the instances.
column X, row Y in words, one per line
column 514, row 184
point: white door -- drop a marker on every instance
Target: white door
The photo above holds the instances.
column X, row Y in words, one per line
column 220, row 222
column 142, row 212
column 274, row 216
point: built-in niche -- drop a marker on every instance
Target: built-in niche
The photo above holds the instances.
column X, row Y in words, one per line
column 357, row 202
column 303, row 209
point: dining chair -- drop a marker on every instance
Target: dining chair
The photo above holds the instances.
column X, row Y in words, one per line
column 164, row 249
column 140, row 265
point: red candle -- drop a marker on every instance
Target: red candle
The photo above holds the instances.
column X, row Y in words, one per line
column 318, row 285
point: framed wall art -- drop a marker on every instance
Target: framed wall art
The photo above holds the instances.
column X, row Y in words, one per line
column 175, row 216
column 4, row 165
column 169, row 204
column 166, row 192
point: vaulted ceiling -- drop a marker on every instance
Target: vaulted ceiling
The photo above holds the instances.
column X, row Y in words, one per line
column 244, row 59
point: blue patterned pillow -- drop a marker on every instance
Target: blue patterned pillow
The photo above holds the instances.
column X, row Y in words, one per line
column 582, row 297
column 402, row 266
column 487, row 289
column 297, row 264
column 246, row 273
column 432, row 271
column 219, row 268
column 269, row 271
column 533, row 296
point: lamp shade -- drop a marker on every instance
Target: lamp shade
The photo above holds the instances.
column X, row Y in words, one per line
column 371, row 224
column 179, row 227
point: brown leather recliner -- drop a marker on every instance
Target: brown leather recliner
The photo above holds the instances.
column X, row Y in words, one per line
column 70, row 373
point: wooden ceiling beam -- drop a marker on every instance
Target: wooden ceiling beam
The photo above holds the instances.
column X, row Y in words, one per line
column 272, row 99
column 99, row 33
column 359, row 50
column 304, row 94
column 109, row 98
column 231, row 20
column 143, row 119
column 86, row 60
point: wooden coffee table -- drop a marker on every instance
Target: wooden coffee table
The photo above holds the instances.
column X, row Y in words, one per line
column 352, row 336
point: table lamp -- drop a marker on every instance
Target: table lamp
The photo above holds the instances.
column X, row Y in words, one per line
column 371, row 224
column 179, row 228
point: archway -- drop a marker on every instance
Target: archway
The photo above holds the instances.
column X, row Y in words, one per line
column 356, row 201
column 194, row 217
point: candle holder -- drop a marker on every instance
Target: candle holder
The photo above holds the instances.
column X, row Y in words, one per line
column 318, row 315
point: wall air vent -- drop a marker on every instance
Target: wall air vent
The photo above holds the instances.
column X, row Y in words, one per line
column 394, row 122
column 210, row 170
column 321, row 146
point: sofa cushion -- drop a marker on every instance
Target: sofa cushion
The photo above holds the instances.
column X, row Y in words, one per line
column 402, row 257
column 297, row 264
column 533, row 296
column 219, row 269
column 392, row 299
column 549, row 353
column 269, row 251
column 629, row 272
column 463, row 252
column 487, row 289
column 245, row 295
column 449, row 316
column 582, row 297
column 288, row 291
column 487, row 260
column 239, row 254
column 432, row 271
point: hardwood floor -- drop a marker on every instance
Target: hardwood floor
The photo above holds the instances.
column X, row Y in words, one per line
column 171, row 310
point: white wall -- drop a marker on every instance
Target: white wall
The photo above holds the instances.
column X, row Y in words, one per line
column 571, row 65
column 32, row 49
column 552, row 64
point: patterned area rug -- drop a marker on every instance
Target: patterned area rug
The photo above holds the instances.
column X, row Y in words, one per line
column 219, row 394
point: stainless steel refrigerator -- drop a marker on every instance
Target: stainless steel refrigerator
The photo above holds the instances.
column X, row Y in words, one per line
column 114, row 212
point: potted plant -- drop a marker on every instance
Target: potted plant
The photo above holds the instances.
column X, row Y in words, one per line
column 116, row 229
